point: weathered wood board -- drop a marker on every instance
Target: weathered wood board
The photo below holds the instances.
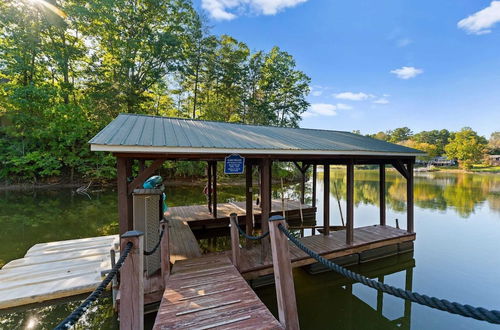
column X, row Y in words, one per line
column 209, row 293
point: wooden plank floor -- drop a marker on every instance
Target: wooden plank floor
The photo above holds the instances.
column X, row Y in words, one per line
column 199, row 216
column 332, row 246
column 209, row 293
column 183, row 244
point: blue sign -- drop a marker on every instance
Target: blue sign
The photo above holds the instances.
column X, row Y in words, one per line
column 234, row 164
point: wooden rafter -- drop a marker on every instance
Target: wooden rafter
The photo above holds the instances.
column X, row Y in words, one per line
column 146, row 173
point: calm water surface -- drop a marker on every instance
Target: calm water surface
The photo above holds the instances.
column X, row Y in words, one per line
column 457, row 220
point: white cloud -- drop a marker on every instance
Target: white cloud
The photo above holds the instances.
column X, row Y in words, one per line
column 325, row 109
column 342, row 106
column 382, row 100
column 482, row 21
column 407, row 72
column 404, row 42
column 316, row 93
column 225, row 9
column 352, row 96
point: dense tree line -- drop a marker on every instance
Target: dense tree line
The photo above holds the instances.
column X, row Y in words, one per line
column 68, row 67
column 465, row 145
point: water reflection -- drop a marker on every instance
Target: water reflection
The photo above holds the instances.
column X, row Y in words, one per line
column 325, row 300
column 331, row 299
column 462, row 192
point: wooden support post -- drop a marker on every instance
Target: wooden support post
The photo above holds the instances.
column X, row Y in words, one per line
column 407, row 307
column 214, row 178
column 283, row 276
column 124, row 209
column 249, row 202
column 409, row 198
column 380, row 297
column 209, row 186
column 382, row 194
column 326, row 199
column 314, row 185
column 265, row 203
column 235, row 240
column 165, row 252
column 350, row 203
column 132, row 283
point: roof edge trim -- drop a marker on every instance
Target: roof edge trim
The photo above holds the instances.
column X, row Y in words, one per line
column 191, row 150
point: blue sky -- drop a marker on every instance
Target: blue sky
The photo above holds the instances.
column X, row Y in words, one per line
column 378, row 65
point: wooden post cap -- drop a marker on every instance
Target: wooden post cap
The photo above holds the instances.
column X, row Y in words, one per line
column 132, row 233
column 276, row 218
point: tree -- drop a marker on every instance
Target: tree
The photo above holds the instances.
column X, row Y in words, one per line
column 466, row 146
column 400, row 134
column 380, row 136
column 283, row 89
column 438, row 138
column 494, row 143
column 429, row 149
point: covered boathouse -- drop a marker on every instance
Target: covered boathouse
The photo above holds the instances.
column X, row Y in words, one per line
column 149, row 141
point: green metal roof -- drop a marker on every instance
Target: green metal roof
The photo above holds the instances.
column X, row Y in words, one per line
column 152, row 134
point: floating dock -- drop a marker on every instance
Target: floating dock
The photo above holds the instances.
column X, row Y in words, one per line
column 56, row 270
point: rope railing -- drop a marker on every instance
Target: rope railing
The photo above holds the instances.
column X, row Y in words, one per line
column 148, row 253
column 478, row 313
column 71, row 320
column 244, row 234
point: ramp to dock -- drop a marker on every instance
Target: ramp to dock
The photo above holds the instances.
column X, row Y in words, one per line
column 209, row 293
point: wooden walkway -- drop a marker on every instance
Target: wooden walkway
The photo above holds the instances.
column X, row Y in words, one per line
column 199, row 217
column 183, row 244
column 252, row 263
column 209, row 293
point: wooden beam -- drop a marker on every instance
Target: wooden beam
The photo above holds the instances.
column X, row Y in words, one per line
column 124, row 212
column 265, row 203
column 314, row 185
column 209, row 185
column 326, row 199
column 165, row 252
column 235, row 240
column 399, row 166
column 144, row 175
column 249, row 202
column 382, row 194
column 132, row 283
column 350, row 204
column 283, row 277
column 409, row 197
column 214, row 178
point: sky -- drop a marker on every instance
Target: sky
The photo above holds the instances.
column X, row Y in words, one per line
column 379, row 65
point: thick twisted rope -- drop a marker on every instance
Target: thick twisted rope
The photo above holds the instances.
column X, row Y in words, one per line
column 478, row 313
column 148, row 253
column 244, row 234
column 84, row 306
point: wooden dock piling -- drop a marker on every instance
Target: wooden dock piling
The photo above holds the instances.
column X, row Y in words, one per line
column 132, row 283
column 285, row 290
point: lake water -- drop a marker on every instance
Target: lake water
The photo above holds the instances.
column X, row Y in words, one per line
column 457, row 221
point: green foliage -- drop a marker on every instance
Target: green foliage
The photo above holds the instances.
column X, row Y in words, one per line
column 467, row 147
column 494, row 144
column 67, row 72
